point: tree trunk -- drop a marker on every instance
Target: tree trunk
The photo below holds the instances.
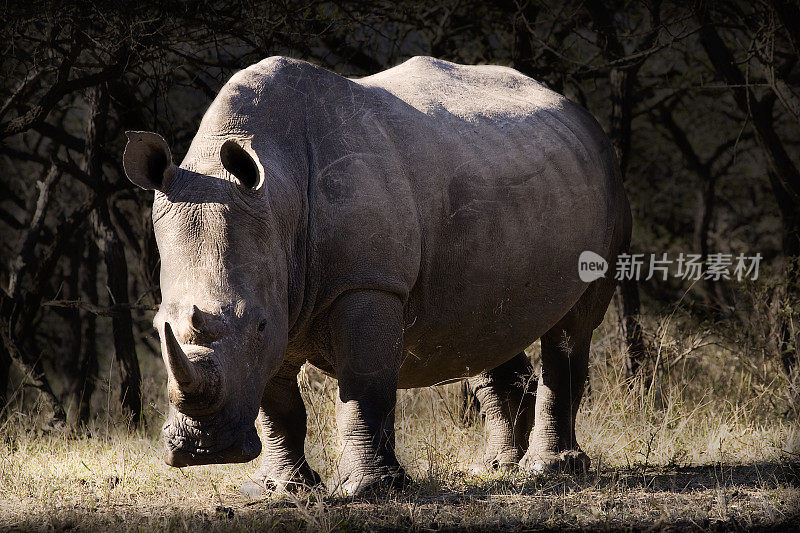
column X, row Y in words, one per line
column 87, row 359
column 787, row 338
column 627, row 294
column 68, row 362
column 712, row 291
column 122, row 323
column 705, row 214
column 622, row 81
column 113, row 252
column 627, row 301
column 5, row 370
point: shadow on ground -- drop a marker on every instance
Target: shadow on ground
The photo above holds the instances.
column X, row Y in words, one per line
column 670, row 479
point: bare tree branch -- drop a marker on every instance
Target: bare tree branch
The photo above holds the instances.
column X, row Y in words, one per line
column 107, row 311
column 61, row 88
column 771, row 144
column 26, row 249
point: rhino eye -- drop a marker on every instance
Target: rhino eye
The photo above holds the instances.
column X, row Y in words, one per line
column 238, row 162
column 262, row 326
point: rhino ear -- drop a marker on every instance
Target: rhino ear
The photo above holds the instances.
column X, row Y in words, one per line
column 147, row 160
column 240, row 164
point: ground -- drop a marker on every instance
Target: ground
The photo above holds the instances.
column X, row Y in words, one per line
column 698, row 498
column 709, row 441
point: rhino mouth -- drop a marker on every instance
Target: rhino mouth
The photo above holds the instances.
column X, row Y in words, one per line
column 189, row 443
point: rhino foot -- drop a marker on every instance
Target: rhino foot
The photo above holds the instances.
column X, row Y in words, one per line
column 504, row 462
column 357, row 484
column 567, row 462
column 262, row 484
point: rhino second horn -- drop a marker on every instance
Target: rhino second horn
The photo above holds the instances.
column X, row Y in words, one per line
column 209, row 326
column 179, row 366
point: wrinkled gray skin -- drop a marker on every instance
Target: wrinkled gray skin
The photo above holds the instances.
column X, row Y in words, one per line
column 401, row 230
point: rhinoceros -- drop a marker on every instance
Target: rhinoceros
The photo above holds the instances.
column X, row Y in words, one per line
column 400, row 230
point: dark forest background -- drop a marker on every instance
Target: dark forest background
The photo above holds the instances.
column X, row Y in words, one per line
column 701, row 100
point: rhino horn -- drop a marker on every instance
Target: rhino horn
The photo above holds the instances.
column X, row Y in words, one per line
column 179, row 366
column 209, row 326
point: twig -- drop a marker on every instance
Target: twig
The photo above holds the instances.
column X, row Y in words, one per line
column 110, row 311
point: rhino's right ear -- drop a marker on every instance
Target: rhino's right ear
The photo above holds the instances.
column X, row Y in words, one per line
column 147, row 160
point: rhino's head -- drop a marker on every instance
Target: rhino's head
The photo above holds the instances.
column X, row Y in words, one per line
column 223, row 319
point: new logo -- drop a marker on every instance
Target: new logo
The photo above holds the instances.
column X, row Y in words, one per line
column 591, row 266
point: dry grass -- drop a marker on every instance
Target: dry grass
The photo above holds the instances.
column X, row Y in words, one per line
column 711, row 443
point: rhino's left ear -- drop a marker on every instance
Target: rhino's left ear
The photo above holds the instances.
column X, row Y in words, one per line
column 240, row 164
column 147, row 160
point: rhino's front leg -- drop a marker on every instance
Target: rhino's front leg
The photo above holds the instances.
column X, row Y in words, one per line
column 367, row 340
column 283, row 420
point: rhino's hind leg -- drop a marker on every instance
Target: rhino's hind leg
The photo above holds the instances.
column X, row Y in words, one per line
column 367, row 340
column 553, row 446
column 565, row 366
column 506, row 395
column 283, row 420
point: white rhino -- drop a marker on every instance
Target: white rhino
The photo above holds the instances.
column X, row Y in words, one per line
column 415, row 226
